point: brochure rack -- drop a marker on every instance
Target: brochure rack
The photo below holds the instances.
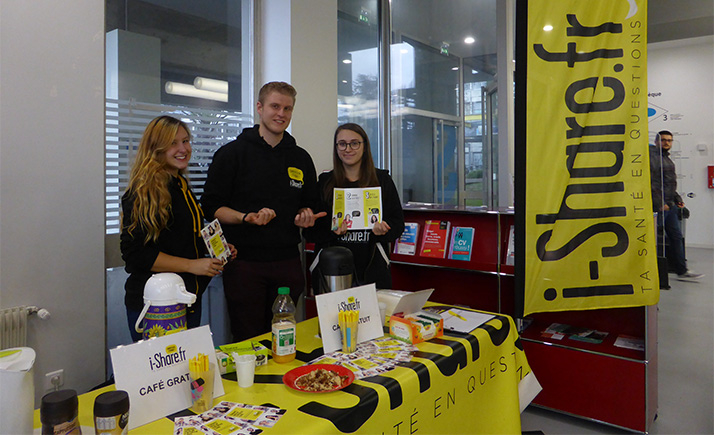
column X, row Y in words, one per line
column 484, row 282
column 595, row 381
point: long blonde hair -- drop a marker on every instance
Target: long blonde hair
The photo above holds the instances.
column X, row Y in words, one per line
column 150, row 177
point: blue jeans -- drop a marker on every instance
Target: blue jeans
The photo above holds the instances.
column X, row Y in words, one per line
column 673, row 230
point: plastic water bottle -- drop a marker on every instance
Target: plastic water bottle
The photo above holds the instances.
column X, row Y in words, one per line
column 284, row 327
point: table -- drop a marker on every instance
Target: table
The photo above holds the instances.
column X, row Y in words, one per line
column 459, row 383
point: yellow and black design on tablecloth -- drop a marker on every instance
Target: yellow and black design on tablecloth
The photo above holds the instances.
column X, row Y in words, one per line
column 445, row 365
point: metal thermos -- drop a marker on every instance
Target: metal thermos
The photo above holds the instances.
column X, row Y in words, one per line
column 337, row 266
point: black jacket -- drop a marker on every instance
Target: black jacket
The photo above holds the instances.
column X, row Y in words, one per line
column 180, row 238
column 370, row 266
column 664, row 180
column 248, row 175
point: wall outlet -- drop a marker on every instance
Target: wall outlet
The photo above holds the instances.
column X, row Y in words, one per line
column 54, row 380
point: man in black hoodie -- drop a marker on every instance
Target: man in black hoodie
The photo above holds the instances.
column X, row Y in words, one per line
column 262, row 187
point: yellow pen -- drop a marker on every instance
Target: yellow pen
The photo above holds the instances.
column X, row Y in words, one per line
column 456, row 315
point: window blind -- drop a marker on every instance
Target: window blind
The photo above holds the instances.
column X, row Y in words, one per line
column 125, row 122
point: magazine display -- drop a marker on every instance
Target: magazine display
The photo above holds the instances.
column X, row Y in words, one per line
column 462, row 239
column 406, row 244
column 435, row 239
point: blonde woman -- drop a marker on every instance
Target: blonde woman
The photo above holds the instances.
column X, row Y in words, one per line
column 161, row 220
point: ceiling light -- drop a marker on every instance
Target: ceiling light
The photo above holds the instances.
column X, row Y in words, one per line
column 547, row 27
column 187, row 90
column 456, row 68
column 347, row 61
column 211, row 85
column 469, row 40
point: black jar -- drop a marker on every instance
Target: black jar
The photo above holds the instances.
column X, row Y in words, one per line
column 59, row 411
column 111, row 413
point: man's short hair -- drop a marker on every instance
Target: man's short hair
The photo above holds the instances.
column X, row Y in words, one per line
column 667, row 132
column 281, row 87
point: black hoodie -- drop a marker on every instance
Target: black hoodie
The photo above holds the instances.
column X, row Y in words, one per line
column 247, row 175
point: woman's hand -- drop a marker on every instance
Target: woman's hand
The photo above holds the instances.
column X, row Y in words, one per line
column 205, row 267
column 380, row 228
column 233, row 250
column 341, row 229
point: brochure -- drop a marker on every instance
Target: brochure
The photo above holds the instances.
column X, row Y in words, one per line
column 629, row 342
column 461, row 245
column 406, row 244
column 511, row 250
column 216, row 242
column 435, row 238
column 361, row 208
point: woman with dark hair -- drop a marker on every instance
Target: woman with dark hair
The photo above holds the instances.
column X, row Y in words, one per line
column 162, row 221
column 353, row 167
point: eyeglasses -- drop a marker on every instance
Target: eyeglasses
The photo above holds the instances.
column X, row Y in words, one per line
column 342, row 145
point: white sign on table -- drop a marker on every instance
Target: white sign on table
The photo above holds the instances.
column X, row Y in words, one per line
column 362, row 298
column 155, row 373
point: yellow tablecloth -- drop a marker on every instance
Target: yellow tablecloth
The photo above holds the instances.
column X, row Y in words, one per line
column 458, row 383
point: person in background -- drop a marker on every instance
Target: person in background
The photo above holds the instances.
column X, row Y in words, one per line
column 353, row 166
column 161, row 220
column 262, row 187
column 666, row 202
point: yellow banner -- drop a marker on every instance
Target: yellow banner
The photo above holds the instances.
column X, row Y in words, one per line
column 590, row 232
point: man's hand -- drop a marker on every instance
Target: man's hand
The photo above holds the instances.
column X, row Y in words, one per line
column 262, row 217
column 306, row 218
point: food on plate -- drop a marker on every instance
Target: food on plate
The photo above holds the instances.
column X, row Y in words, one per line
column 320, row 380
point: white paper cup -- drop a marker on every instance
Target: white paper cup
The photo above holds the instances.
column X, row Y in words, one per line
column 245, row 369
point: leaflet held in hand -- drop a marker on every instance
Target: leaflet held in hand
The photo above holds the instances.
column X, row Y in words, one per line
column 361, row 208
column 215, row 241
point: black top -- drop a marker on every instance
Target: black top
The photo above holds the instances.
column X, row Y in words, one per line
column 180, row 238
column 664, row 179
column 370, row 266
column 247, row 175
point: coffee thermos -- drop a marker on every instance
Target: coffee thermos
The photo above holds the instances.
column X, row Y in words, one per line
column 336, row 267
column 165, row 300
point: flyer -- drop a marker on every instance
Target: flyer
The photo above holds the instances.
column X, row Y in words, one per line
column 361, row 208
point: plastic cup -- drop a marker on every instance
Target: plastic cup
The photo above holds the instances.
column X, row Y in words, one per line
column 202, row 389
column 245, row 369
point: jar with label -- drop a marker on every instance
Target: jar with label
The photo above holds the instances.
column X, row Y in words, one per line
column 59, row 412
column 111, row 413
column 284, row 327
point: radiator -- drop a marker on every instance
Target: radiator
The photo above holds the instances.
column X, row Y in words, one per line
column 13, row 325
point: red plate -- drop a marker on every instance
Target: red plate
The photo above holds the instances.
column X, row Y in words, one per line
column 290, row 377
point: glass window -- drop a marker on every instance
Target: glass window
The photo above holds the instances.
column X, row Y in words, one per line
column 448, row 58
column 184, row 58
column 358, row 68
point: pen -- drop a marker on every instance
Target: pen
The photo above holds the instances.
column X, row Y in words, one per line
column 456, row 315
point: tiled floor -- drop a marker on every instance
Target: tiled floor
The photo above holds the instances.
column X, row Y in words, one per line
column 686, row 362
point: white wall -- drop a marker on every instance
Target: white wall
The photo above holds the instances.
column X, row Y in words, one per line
column 681, row 93
column 298, row 44
column 52, row 181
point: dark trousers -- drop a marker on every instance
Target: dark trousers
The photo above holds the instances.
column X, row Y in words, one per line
column 675, row 254
column 193, row 319
column 251, row 288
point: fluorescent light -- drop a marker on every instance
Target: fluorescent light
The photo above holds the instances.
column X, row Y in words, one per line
column 456, row 68
column 347, row 61
column 186, row 90
column 548, row 28
column 469, row 40
column 211, row 85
